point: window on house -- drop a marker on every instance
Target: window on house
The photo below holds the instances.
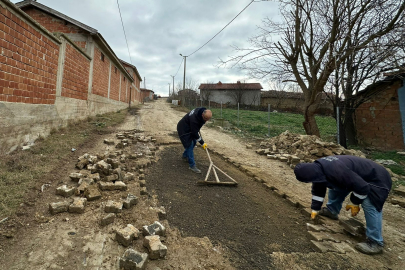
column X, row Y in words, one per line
column 102, row 57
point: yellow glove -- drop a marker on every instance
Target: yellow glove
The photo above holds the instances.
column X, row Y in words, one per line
column 204, row 146
column 354, row 208
column 314, row 214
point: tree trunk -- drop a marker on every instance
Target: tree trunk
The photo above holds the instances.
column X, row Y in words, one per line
column 310, row 126
column 349, row 127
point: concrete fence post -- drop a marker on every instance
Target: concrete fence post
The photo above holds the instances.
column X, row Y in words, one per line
column 269, row 119
column 337, row 125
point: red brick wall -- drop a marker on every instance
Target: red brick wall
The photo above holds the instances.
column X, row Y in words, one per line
column 115, row 83
column 53, row 24
column 101, row 70
column 28, row 62
column 378, row 121
column 75, row 74
column 124, row 87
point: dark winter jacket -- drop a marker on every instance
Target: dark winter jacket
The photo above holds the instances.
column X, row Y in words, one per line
column 189, row 127
column 363, row 177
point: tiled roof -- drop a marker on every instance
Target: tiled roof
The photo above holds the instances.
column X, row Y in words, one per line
column 230, row 86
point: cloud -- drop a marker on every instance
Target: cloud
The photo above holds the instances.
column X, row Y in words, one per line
column 159, row 30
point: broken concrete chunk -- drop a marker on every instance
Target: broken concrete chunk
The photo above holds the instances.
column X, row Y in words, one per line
column 155, row 229
column 92, row 193
column 59, row 207
column 106, row 186
column 126, row 235
column 130, row 201
column 118, row 172
column 103, row 167
column 65, row 191
column 92, row 168
column 82, row 161
column 119, row 185
column 132, row 260
column 113, row 207
column 83, row 184
column 95, row 177
column 129, row 176
column 78, row 205
column 111, row 178
column 154, row 245
column 76, row 176
column 108, row 219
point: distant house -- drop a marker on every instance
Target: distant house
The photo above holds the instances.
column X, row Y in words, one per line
column 292, row 101
column 147, row 94
column 231, row 93
column 188, row 97
column 380, row 120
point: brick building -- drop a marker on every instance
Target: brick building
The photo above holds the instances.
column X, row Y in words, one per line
column 54, row 69
column 380, row 120
column 147, row 94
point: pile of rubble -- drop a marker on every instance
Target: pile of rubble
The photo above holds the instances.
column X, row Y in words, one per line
column 113, row 171
column 295, row 148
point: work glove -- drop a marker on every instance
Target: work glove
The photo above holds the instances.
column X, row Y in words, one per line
column 354, row 208
column 314, row 214
column 204, row 146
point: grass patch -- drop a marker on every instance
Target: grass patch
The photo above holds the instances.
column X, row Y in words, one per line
column 21, row 170
column 255, row 123
column 391, row 155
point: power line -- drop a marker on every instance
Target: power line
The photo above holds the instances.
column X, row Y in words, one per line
column 123, row 28
column 221, row 29
column 182, row 59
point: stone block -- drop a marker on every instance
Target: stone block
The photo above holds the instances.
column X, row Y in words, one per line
column 78, row 205
column 141, row 177
column 353, row 226
column 400, row 191
column 398, row 200
column 130, row 201
column 143, row 191
column 92, row 168
column 249, row 146
column 95, row 177
column 92, row 193
column 161, row 211
column 82, row 161
column 103, row 167
column 155, row 229
column 83, row 184
column 133, row 260
column 108, row 219
column 109, row 142
column 111, row 178
column 113, row 207
column 76, row 176
column 129, row 176
column 154, row 245
column 59, row 207
column 315, row 228
column 65, row 191
column 323, row 236
column 119, row 185
column 106, row 186
column 118, row 172
column 126, row 235
column 142, row 183
column 141, row 171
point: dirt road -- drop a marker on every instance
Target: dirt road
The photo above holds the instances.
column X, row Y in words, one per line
column 248, row 227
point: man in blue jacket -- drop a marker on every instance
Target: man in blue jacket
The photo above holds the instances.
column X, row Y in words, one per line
column 188, row 129
column 368, row 182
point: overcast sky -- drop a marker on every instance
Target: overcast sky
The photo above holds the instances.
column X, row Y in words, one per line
column 159, row 30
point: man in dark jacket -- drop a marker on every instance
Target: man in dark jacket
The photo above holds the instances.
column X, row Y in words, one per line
column 368, row 182
column 188, row 129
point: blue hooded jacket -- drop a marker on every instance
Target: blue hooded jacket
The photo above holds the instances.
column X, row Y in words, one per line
column 189, row 127
column 363, row 177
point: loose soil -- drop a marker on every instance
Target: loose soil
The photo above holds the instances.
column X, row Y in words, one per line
column 208, row 227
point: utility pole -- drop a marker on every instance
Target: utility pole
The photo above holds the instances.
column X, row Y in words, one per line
column 144, row 82
column 169, row 89
column 184, row 78
column 172, row 84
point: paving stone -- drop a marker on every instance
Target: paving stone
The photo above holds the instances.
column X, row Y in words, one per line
column 398, row 200
column 78, row 205
column 155, row 229
column 92, row 193
column 111, row 178
column 118, row 172
column 126, row 235
column 315, row 228
column 323, row 236
column 143, row 191
column 119, row 185
column 113, row 207
column 106, row 186
column 400, row 191
column 113, row 162
column 82, row 161
column 129, row 176
column 95, row 177
column 92, row 168
column 83, row 184
column 142, row 183
column 76, row 176
column 130, row 201
column 353, row 226
column 59, row 207
column 103, row 167
column 108, row 219
column 154, row 245
column 109, row 142
column 133, row 260
column 65, row 191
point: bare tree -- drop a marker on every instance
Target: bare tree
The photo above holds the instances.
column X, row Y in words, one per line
column 315, row 38
column 238, row 92
column 206, row 91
